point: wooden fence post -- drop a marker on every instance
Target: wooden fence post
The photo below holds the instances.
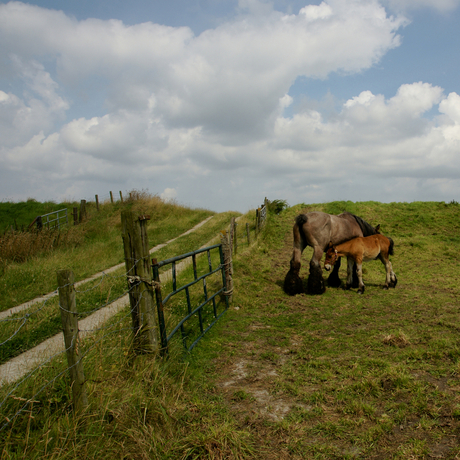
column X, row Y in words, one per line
column 228, row 264
column 111, row 197
column 82, row 210
column 97, row 202
column 139, row 274
column 68, row 308
column 230, row 234
column 121, row 197
column 247, row 233
column 235, row 239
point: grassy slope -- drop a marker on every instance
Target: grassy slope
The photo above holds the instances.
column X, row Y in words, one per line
column 335, row 376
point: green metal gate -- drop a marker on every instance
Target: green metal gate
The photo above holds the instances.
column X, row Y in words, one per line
column 193, row 310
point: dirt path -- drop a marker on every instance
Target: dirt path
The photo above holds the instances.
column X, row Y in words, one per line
column 25, row 363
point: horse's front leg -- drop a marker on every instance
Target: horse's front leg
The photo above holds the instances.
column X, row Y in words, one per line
column 315, row 279
column 350, row 265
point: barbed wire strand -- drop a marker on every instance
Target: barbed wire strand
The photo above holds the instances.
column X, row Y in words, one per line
column 29, row 375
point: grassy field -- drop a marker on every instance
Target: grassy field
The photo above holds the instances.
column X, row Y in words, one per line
column 337, row 376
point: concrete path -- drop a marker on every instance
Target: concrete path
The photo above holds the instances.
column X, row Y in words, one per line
column 26, row 305
column 28, row 361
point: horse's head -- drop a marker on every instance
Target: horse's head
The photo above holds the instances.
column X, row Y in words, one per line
column 331, row 257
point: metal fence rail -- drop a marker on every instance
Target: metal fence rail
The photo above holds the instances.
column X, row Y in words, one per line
column 52, row 220
column 192, row 310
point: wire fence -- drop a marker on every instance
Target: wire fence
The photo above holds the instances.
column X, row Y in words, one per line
column 27, row 371
column 11, row 384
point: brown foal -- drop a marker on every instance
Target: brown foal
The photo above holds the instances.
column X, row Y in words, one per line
column 363, row 249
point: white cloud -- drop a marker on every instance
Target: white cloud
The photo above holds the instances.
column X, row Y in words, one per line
column 169, row 194
column 451, row 107
column 315, row 12
column 227, row 80
column 194, row 115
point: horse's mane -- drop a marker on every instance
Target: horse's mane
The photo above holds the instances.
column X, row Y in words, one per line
column 366, row 228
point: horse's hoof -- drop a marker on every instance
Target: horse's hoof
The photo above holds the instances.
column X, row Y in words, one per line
column 385, row 288
column 360, row 292
column 315, row 283
column 293, row 284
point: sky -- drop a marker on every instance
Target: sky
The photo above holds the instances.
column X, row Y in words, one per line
column 218, row 104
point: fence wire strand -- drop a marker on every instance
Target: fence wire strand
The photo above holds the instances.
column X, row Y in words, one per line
column 112, row 325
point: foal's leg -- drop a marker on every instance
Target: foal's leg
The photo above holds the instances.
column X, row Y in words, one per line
column 393, row 279
column 358, row 264
column 359, row 271
column 390, row 280
column 315, row 279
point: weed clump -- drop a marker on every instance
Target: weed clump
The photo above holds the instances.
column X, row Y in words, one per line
column 398, row 340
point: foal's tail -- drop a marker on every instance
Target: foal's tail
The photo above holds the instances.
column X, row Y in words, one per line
column 299, row 221
column 390, row 249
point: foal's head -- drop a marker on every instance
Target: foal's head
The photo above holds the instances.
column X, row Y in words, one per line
column 331, row 257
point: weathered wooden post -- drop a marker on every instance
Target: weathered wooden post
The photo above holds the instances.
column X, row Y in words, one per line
column 121, row 197
column 257, row 221
column 68, row 308
column 111, row 197
column 82, row 210
column 97, row 202
column 247, row 233
column 230, row 235
column 139, row 275
column 235, row 239
column 228, row 264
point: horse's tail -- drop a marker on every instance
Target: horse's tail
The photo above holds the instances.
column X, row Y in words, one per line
column 299, row 221
column 366, row 228
column 391, row 248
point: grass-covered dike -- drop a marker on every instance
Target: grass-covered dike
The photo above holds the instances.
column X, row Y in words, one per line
column 334, row 376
